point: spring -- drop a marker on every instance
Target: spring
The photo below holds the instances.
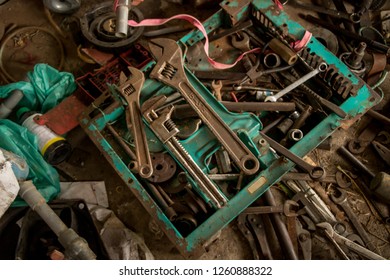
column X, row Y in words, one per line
column 169, row 71
column 129, row 90
column 170, row 125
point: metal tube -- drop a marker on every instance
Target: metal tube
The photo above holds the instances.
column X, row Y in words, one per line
column 272, row 60
column 121, row 142
column 186, row 111
column 281, row 228
column 10, row 103
column 357, row 163
column 122, row 17
column 168, row 211
column 379, row 117
column 37, row 203
column 75, row 246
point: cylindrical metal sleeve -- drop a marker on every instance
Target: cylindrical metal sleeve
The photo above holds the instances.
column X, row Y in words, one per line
column 287, row 54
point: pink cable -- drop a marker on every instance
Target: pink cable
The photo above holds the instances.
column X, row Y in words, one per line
column 280, row 6
column 300, row 44
column 195, row 22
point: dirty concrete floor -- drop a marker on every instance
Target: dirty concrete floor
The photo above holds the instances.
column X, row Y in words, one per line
column 230, row 244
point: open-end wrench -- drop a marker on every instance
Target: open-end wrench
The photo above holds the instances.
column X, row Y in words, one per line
column 286, row 209
column 217, row 86
column 169, row 69
column 130, row 89
column 343, row 202
column 341, row 240
column 164, row 128
column 321, row 68
column 315, row 172
column 242, row 43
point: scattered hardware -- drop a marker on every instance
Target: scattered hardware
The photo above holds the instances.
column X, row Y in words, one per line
column 223, row 124
column 209, row 164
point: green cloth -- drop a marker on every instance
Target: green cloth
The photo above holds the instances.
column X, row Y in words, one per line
column 46, row 88
column 18, row 140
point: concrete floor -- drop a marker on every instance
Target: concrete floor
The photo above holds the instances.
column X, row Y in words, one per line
column 230, row 244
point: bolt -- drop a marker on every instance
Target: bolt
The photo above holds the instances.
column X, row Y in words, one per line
column 303, row 237
column 356, row 57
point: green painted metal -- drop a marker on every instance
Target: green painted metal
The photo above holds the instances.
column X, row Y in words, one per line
column 202, row 144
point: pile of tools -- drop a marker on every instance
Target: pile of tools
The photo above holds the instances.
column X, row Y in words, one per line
column 197, row 145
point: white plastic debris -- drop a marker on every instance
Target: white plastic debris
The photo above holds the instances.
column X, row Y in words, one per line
column 9, row 186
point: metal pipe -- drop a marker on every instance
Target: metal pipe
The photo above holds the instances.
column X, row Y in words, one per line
column 272, row 60
column 379, row 117
column 75, row 246
column 281, row 229
column 121, row 142
column 122, row 17
column 10, row 103
column 357, row 163
column 168, row 211
column 186, row 111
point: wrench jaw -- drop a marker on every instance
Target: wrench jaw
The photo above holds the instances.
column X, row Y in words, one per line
column 166, row 69
column 317, row 173
column 162, row 124
column 341, row 198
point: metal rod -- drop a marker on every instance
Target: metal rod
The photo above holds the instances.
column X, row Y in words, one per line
column 343, row 151
column 281, row 228
column 186, row 111
column 75, row 246
column 168, row 211
column 122, row 17
column 122, row 143
column 379, row 117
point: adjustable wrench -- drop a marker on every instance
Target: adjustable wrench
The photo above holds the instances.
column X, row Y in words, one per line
column 321, row 68
column 130, row 89
column 169, row 69
column 164, row 128
column 315, row 172
column 343, row 202
column 338, row 239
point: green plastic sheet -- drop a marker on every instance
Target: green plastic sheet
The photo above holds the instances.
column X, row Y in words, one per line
column 46, row 88
column 18, row 140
